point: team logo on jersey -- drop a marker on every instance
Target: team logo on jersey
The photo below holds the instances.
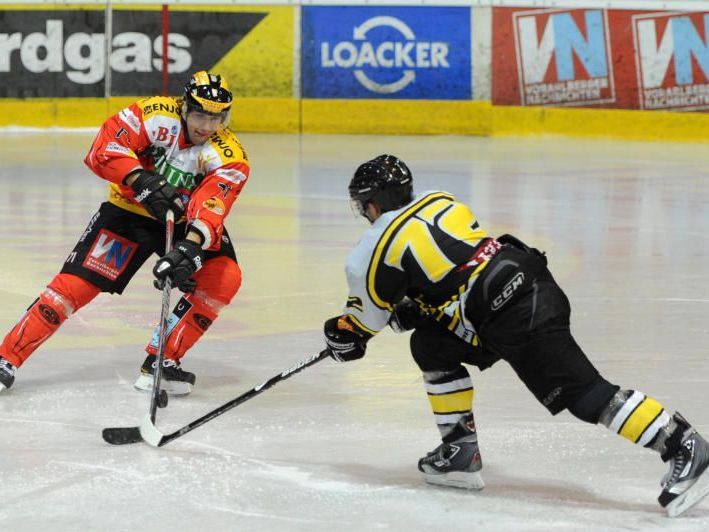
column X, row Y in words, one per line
column 508, row 291
column 224, row 188
column 109, row 254
column 114, row 147
column 163, row 107
column 214, row 205
column 179, row 178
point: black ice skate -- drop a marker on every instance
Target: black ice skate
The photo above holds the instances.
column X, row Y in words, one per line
column 456, row 462
column 7, row 374
column 174, row 380
column 687, row 482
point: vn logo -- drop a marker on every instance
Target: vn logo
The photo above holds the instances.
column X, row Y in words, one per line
column 563, row 57
column 109, row 254
column 672, row 60
column 396, row 54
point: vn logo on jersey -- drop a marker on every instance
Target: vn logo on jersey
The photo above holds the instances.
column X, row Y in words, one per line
column 672, row 60
column 563, row 57
column 109, row 254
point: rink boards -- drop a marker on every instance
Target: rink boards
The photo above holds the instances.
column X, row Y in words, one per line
column 423, row 69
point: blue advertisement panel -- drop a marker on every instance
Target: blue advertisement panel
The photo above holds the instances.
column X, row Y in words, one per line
column 386, row 52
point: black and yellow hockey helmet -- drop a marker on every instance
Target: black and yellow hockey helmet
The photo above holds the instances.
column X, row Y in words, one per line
column 384, row 180
column 208, row 93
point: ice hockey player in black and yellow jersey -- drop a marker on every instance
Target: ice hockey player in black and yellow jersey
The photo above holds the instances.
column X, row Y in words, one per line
column 426, row 264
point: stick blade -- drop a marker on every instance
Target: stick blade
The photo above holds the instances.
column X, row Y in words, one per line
column 149, row 433
column 122, row 435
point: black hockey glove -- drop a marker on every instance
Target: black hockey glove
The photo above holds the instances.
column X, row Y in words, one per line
column 157, row 195
column 343, row 345
column 406, row 316
column 179, row 265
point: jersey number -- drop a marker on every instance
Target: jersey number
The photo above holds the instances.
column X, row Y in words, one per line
column 454, row 219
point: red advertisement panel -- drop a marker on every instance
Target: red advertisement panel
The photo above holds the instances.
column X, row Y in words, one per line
column 552, row 57
column 600, row 58
column 671, row 60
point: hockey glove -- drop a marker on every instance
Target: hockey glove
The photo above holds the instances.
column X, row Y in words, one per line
column 157, row 195
column 343, row 344
column 406, row 316
column 178, row 265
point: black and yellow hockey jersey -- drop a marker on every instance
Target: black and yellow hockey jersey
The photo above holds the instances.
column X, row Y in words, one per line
column 430, row 250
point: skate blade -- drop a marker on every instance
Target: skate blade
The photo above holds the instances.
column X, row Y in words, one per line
column 691, row 497
column 145, row 383
column 456, row 479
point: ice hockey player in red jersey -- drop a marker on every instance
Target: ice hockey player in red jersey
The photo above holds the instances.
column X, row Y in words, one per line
column 427, row 264
column 158, row 154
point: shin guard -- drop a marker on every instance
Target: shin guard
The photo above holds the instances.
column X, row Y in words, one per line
column 191, row 317
column 217, row 283
column 64, row 295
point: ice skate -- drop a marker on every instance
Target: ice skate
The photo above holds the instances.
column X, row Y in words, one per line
column 687, row 481
column 175, row 380
column 456, row 462
column 7, row 374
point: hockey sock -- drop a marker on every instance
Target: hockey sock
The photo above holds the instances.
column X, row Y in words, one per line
column 451, row 396
column 190, row 318
column 638, row 418
column 62, row 297
column 217, row 283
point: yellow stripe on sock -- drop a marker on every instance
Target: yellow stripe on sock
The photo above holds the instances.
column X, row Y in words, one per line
column 452, row 402
column 640, row 419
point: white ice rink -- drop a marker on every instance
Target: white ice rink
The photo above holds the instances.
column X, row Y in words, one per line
column 626, row 227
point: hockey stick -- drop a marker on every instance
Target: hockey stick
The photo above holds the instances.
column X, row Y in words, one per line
column 159, row 397
column 149, row 433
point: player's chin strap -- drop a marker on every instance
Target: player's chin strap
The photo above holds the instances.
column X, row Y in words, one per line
column 149, row 433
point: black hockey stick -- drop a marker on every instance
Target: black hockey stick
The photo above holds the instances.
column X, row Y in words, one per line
column 159, row 397
column 149, row 433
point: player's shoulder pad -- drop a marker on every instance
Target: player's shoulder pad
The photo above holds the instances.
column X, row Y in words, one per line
column 441, row 194
column 227, row 145
column 159, row 105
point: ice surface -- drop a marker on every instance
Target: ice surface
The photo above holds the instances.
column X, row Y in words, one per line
column 335, row 447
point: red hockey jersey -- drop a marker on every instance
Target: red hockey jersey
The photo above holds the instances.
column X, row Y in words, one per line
column 149, row 134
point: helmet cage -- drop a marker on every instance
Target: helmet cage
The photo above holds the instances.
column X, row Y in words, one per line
column 191, row 107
